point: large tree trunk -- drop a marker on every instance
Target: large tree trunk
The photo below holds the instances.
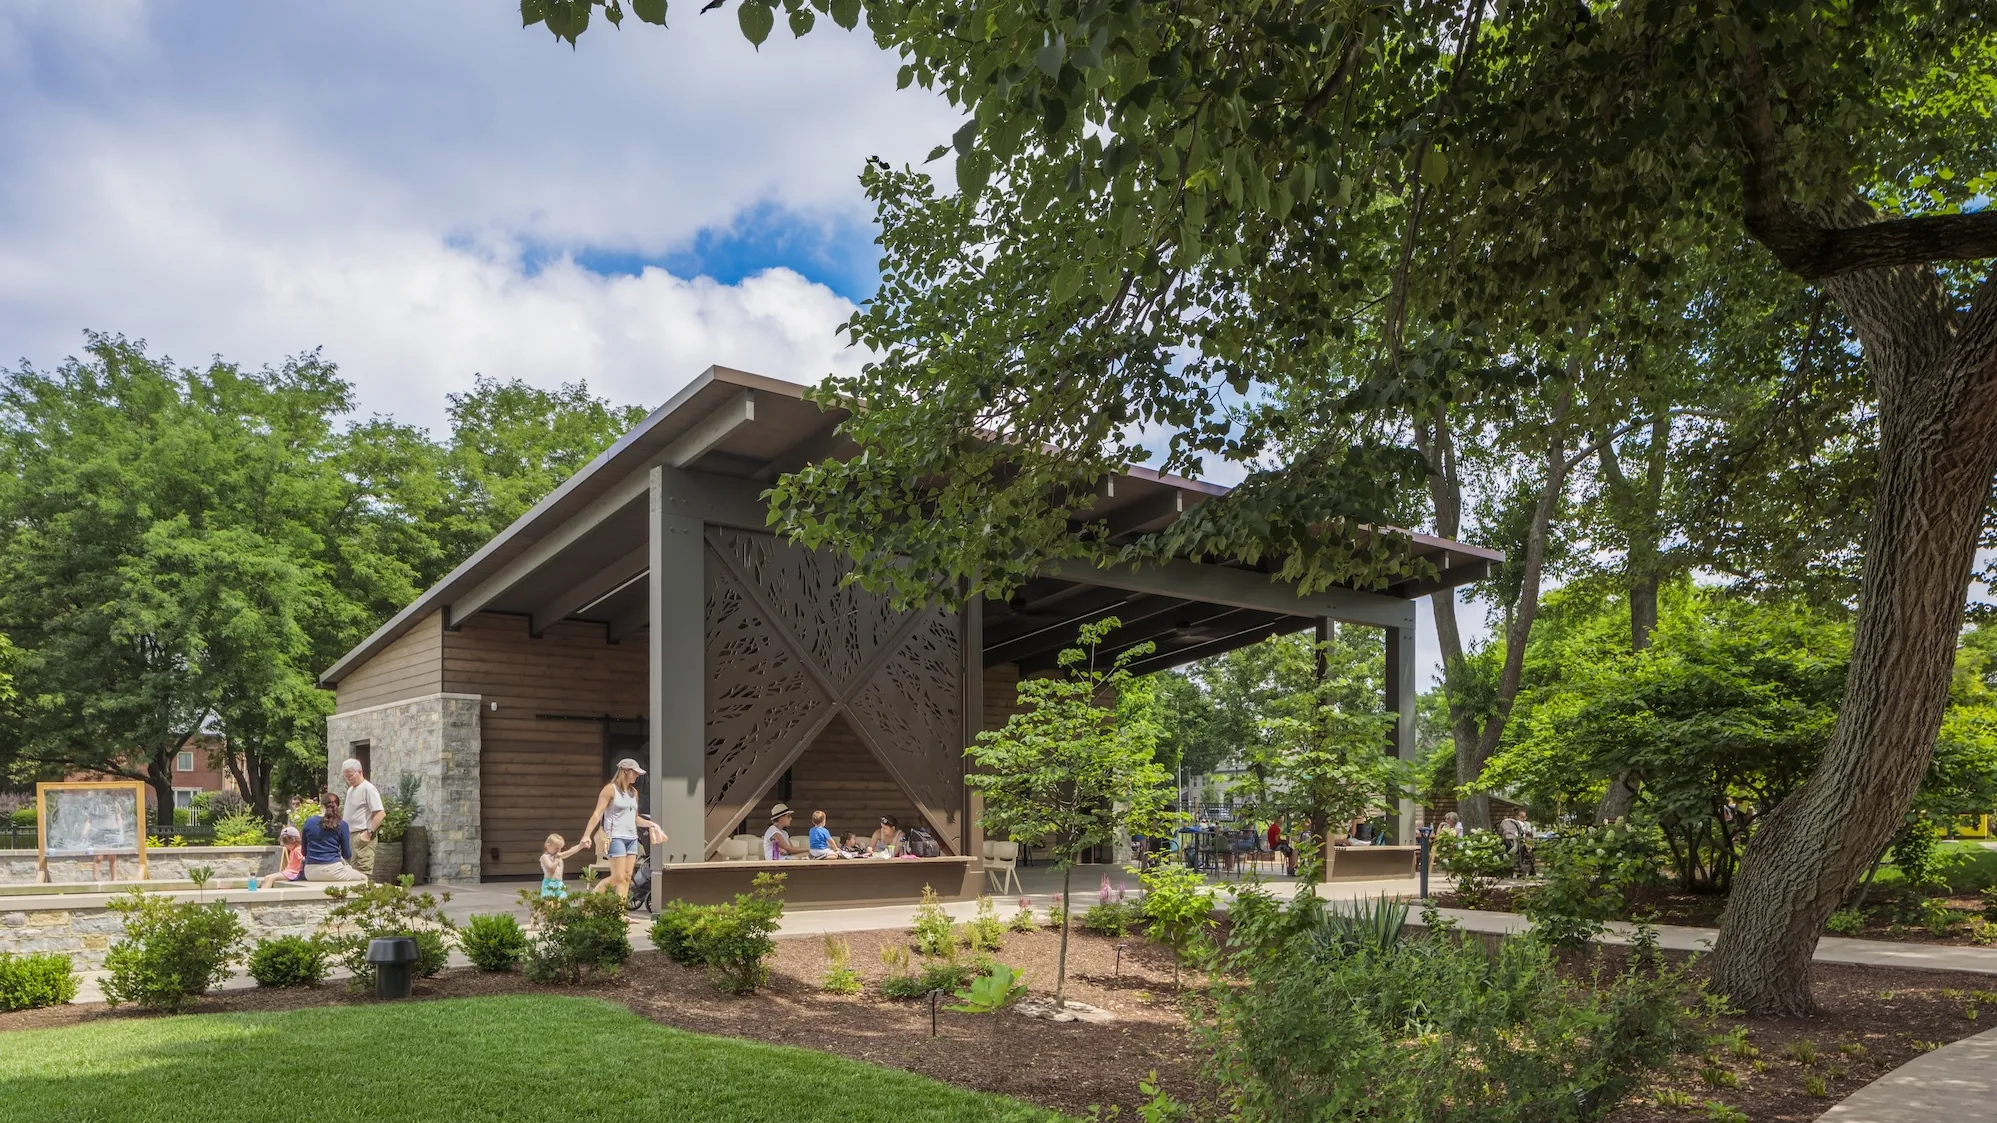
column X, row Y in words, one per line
column 1445, row 487
column 1937, row 389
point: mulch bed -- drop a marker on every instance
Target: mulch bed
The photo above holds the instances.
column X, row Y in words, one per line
column 1882, row 1017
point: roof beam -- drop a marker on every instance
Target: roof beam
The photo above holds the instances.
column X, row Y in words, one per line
column 1144, row 515
column 1448, row 578
column 1181, row 656
column 1061, row 633
column 632, row 489
column 811, row 450
column 710, row 431
column 601, row 584
column 628, row 622
column 1182, row 615
column 1240, row 588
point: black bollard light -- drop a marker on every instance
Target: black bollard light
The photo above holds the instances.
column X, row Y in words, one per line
column 394, row 962
column 1426, row 837
column 935, row 999
column 1119, row 961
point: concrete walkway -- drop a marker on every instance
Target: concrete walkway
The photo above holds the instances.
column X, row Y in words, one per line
column 1956, row 1083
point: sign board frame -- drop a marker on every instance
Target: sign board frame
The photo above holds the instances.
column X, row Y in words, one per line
column 138, row 790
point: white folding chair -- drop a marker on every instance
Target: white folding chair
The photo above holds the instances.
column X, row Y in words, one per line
column 1002, row 865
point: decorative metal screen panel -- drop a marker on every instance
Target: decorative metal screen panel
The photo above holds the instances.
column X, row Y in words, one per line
column 787, row 647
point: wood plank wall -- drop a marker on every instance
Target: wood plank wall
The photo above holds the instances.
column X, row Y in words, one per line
column 411, row 667
column 841, row 777
column 1001, row 694
column 540, row 776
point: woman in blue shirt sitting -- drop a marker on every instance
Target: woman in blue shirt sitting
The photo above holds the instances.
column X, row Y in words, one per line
column 328, row 845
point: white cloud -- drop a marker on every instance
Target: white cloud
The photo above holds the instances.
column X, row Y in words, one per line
column 253, row 180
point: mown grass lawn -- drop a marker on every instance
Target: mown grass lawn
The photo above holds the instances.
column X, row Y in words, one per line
column 520, row 1059
column 1968, row 866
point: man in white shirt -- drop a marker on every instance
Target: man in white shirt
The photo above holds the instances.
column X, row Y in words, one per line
column 362, row 811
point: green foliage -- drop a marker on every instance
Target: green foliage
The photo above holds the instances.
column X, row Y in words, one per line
column 1374, row 924
column 1846, row 922
column 1586, row 877
column 373, row 911
column 1733, row 700
column 29, row 982
column 1114, row 914
column 289, row 961
column 493, row 942
column 241, row 828
column 22, row 816
column 1477, row 860
column 984, row 931
column 840, row 977
column 933, row 934
column 670, row 929
column 1177, row 908
column 992, row 992
column 581, row 937
column 732, row 941
column 172, row 951
column 400, row 808
column 1917, row 854
column 1023, row 920
column 1432, row 1026
column 306, row 809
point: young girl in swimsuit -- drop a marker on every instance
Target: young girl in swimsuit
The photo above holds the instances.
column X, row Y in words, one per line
column 554, row 883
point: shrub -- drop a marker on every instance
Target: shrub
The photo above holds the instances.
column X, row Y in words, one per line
column 1023, row 921
column 992, row 992
column 493, row 942
column 840, row 978
column 1057, row 912
column 670, row 929
column 1372, row 924
column 305, row 811
column 1989, row 899
column 934, row 934
column 1586, row 878
column 29, row 982
column 948, row 976
column 1113, row 914
column 1309, row 1029
column 732, row 941
column 289, row 961
column 22, row 817
column 241, row 828
column 581, row 936
column 1477, row 861
column 368, row 912
column 171, row 951
column 1177, row 907
column 1917, row 851
column 984, row 931
column 1846, row 922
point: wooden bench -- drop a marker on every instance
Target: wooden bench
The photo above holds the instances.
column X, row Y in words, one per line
column 1370, row 863
column 834, row 883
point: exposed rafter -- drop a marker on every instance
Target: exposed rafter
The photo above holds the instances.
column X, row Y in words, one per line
column 710, row 431
column 1255, row 634
column 1219, row 584
column 600, row 585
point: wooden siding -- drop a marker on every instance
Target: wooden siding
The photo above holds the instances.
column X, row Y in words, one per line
column 411, row 667
column 539, row 776
column 839, row 776
column 1001, row 694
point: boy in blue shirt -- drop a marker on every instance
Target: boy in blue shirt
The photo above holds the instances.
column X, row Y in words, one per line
column 821, row 838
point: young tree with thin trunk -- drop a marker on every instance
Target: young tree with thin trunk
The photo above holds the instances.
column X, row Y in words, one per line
column 1064, row 775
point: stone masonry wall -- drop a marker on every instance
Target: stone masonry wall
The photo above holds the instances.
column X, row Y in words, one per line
column 435, row 737
column 86, row 930
column 19, row 867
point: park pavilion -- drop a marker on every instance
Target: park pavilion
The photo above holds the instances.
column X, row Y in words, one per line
column 644, row 609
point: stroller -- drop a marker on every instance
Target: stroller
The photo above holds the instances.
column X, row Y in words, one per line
column 640, row 895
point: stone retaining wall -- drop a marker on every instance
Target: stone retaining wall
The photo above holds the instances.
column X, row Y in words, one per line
column 87, row 929
column 163, row 863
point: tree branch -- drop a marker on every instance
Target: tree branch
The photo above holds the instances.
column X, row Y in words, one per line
column 1814, row 251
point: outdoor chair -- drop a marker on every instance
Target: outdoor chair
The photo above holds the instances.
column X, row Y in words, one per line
column 1002, row 865
column 752, row 847
column 736, row 849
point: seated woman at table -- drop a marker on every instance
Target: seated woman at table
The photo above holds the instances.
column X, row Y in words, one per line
column 888, row 839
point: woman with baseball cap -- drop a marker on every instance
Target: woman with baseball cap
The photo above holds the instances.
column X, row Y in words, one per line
column 617, row 810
